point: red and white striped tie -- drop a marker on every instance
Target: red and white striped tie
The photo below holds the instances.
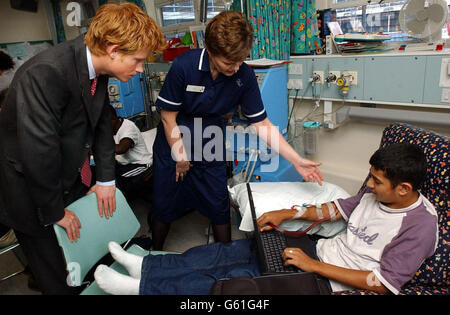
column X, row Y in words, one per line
column 93, row 86
column 86, row 173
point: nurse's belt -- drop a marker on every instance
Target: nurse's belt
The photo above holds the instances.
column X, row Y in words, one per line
column 195, row 88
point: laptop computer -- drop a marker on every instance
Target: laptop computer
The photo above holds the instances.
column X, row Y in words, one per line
column 271, row 244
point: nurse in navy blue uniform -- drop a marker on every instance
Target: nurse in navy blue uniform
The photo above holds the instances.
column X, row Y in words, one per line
column 189, row 155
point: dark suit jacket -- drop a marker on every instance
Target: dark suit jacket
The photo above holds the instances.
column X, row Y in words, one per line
column 48, row 124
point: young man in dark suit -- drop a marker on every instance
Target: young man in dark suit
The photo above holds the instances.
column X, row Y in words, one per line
column 55, row 113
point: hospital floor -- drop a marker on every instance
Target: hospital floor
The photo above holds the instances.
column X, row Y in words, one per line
column 188, row 231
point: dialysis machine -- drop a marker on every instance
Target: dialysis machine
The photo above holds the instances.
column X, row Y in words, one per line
column 251, row 158
column 130, row 98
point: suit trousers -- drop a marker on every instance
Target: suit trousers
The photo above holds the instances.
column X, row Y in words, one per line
column 47, row 264
column 45, row 257
column 3, row 229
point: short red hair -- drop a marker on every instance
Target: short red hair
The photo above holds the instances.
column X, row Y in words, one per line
column 124, row 25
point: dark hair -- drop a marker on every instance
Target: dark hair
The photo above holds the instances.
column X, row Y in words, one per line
column 401, row 162
column 229, row 35
column 6, row 61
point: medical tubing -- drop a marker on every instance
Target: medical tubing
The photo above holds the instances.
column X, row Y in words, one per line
column 248, row 164
column 253, row 167
column 297, row 234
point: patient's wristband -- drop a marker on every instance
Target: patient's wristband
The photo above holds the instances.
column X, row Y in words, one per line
column 331, row 211
column 300, row 211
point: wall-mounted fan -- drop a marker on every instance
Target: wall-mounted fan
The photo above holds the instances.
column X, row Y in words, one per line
column 424, row 19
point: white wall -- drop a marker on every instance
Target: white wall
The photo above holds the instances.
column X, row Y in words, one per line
column 150, row 6
column 21, row 26
column 345, row 151
column 322, row 4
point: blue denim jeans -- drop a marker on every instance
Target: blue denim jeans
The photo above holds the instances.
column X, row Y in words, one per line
column 197, row 269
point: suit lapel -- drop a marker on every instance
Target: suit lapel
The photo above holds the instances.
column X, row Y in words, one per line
column 99, row 99
column 93, row 105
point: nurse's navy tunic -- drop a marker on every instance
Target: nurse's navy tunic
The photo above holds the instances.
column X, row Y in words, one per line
column 200, row 102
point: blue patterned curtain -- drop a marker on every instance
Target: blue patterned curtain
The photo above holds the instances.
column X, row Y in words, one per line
column 236, row 6
column 282, row 27
column 60, row 33
column 304, row 28
column 139, row 3
column 271, row 21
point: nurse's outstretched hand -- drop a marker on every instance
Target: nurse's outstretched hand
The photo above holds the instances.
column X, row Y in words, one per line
column 309, row 171
column 181, row 170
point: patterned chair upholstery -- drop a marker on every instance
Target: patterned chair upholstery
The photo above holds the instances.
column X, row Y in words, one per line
column 432, row 276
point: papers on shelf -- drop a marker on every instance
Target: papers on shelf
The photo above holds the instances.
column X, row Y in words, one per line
column 359, row 37
column 264, row 62
column 354, row 43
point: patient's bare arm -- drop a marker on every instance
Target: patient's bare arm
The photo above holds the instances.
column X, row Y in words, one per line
column 309, row 213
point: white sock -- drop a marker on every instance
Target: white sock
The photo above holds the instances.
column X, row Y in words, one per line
column 115, row 283
column 132, row 263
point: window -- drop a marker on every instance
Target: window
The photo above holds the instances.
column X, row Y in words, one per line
column 378, row 17
column 214, row 8
column 176, row 13
column 373, row 18
column 177, row 16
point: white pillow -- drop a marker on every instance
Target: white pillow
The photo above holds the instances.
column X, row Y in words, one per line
column 268, row 196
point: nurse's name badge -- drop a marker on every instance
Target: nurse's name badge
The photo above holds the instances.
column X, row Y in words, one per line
column 195, row 88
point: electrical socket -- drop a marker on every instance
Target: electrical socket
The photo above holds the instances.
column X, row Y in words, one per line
column 295, row 68
column 353, row 74
column 336, row 73
column 445, row 96
column 295, row 84
column 321, row 76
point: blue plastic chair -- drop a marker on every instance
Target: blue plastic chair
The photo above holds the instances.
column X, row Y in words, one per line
column 95, row 234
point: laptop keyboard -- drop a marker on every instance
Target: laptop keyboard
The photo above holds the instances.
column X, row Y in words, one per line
column 274, row 244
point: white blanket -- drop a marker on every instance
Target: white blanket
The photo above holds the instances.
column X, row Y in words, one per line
column 270, row 196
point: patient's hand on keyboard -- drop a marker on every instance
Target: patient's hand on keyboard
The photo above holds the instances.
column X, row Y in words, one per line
column 296, row 257
column 275, row 217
